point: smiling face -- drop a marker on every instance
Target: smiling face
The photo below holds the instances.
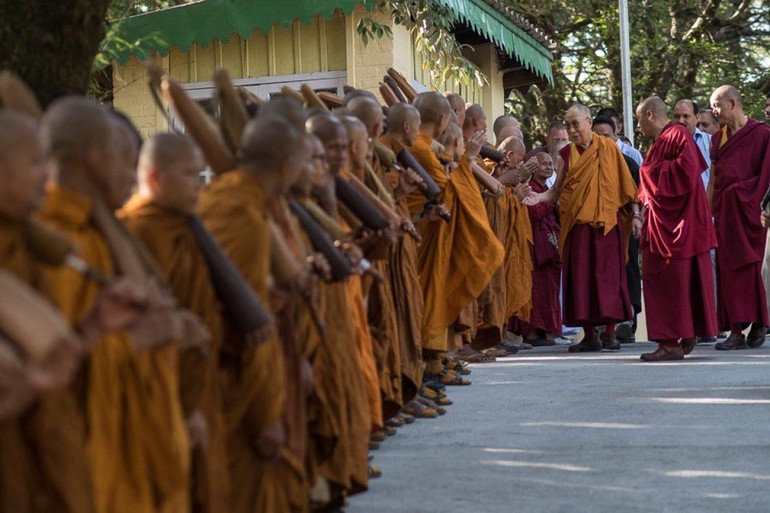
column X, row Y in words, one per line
column 578, row 126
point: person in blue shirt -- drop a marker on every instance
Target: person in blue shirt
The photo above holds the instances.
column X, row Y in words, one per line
column 686, row 114
column 625, row 148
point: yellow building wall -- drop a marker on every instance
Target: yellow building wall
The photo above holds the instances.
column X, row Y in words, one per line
column 316, row 47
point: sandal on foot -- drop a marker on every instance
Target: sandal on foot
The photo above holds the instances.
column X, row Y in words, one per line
column 378, row 436
column 452, row 379
column 409, row 419
column 390, row 430
column 420, row 411
column 375, row 472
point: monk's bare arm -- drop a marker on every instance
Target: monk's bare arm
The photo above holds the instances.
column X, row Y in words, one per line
column 710, row 188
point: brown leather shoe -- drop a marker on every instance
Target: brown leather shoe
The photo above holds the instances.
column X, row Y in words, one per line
column 586, row 346
column 733, row 342
column 688, row 344
column 664, row 353
column 609, row 342
column 756, row 336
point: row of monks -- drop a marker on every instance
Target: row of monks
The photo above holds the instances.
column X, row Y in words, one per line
column 131, row 379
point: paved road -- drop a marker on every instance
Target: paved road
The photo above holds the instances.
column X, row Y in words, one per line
column 546, row 432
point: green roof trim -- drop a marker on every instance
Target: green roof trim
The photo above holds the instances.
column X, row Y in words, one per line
column 487, row 21
column 202, row 22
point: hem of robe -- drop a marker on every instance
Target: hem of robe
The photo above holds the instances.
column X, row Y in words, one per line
column 740, row 294
column 595, row 288
column 679, row 294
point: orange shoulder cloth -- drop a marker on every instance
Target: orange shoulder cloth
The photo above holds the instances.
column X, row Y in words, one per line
column 597, row 185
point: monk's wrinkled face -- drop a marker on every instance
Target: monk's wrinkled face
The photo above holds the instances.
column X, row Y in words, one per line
column 23, row 175
column 684, row 115
column 336, row 148
column 545, row 168
column 178, row 184
column 557, row 139
column 359, row 147
column 707, row 122
column 578, row 127
column 723, row 108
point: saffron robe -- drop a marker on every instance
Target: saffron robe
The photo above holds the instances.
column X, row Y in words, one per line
column 677, row 237
column 136, row 436
column 594, row 239
column 43, row 461
column 168, row 237
column 235, row 210
column 741, row 176
column 458, row 258
column 407, row 295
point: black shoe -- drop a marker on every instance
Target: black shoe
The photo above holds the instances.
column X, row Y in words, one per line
column 609, row 341
column 706, row 340
column 585, row 346
column 756, row 336
column 624, row 332
column 733, row 342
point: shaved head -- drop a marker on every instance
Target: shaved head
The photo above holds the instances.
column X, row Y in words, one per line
column 269, row 139
column 370, row 114
column 401, row 113
column 509, row 131
column 580, row 109
column 285, row 108
column 655, row 105
column 358, row 93
column 22, row 165
column 474, row 118
column 432, row 106
column 729, row 92
column 70, row 124
column 503, row 122
column 513, row 144
column 162, row 150
column 332, row 134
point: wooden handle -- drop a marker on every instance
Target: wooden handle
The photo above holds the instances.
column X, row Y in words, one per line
column 233, row 111
column 394, row 87
column 311, row 98
column 16, row 95
column 403, row 84
column 28, row 320
column 199, row 126
column 388, row 95
column 291, row 93
column 331, row 100
column 393, row 218
column 486, row 180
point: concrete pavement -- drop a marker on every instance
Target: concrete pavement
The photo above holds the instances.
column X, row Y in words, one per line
column 546, row 432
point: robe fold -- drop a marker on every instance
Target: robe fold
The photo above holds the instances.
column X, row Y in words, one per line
column 546, row 273
column 677, row 237
column 235, row 210
column 136, row 436
column 457, row 259
column 519, row 264
column 43, row 462
column 339, row 417
column 407, row 295
column 167, row 236
column 594, row 237
column 741, row 176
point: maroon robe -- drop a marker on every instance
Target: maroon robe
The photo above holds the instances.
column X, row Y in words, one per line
column 546, row 272
column 741, row 174
column 594, row 284
column 677, row 237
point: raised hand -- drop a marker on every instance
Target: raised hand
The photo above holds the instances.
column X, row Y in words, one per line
column 474, row 144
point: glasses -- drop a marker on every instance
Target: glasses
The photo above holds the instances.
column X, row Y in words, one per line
column 575, row 123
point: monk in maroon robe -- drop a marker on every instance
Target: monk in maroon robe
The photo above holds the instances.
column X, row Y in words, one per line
column 545, row 319
column 677, row 237
column 740, row 153
column 598, row 213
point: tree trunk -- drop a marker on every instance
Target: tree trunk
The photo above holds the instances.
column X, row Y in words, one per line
column 51, row 45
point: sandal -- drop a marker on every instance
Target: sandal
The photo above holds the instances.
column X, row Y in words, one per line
column 377, row 436
column 478, row 358
column 409, row 419
column 375, row 472
column 390, row 430
column 452, row 379
column 419, row 410
column 396, row 421
column 433, row 406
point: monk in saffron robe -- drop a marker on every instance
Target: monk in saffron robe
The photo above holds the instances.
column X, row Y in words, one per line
column 457, row 259
column 158, row 215
column 677, row 237
column 137, row 442
column 740, row 154
column 594, row 189
column 43, row 464
column 545, row 320
column 345, row 306
column 236, row 208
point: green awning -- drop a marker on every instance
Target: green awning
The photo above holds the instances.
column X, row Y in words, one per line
column 487, row 21
column 202, row 22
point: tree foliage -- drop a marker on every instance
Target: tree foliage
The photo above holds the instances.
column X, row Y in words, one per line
column 679, row 49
